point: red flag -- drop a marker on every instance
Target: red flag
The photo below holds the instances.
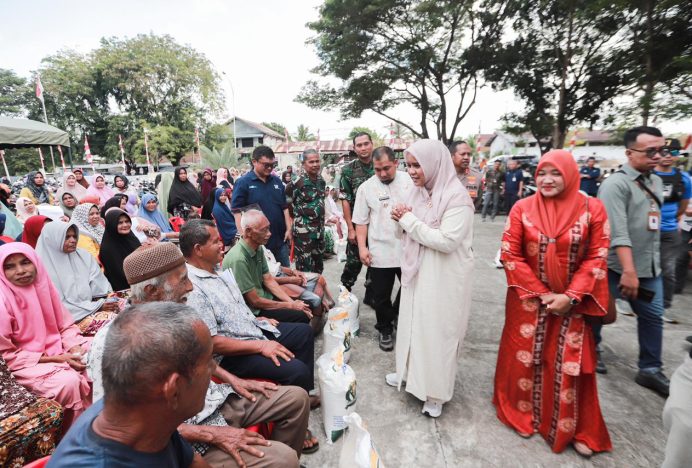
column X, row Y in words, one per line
column 688, row 142
column 39, row 88
column 62, row 158
column 573, row 141
column 87, row 151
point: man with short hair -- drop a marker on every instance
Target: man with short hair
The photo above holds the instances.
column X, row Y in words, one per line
column 260, row 187
column 156, row 368
column 514, row 184
column 353, row 175
column 677, row 190
column 589, row 177
column 159, row 273
column 461, row 158
column 378, row 243
column 494, row 178
column 632, row 197
column 261, row 292
column 305, row 197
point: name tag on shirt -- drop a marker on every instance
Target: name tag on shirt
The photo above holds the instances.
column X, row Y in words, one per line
column 654, row 220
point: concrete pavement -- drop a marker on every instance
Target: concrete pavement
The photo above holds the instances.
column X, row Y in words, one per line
column 468, row 434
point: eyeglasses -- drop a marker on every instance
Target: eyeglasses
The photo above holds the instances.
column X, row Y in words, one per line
column 652, row 152
column 270, row 165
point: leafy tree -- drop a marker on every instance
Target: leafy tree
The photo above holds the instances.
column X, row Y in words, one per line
column 20, row 161
column 377, row 139
column 226, row 156
column 390, row 52
column 303, row 133
column 397, row 130
column 217, row 135
column 563, row 58
column 165, row 141
column 13, row 96
column 277, row 127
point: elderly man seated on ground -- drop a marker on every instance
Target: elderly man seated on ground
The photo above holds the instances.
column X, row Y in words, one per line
column 245, row 345
column 260, row 290
column 158, row 273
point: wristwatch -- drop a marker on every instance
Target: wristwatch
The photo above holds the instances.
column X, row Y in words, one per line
column 574, row 301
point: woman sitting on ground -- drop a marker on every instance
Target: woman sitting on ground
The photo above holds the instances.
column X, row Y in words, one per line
column 77, row 277
column 122, row 185
column 183, row 198
column 118, row 200
column 81, row 180
column 149, row 212
column 33, row 228
column 118, row 242
column 70, row 185
column 38, row 339
column 36, row 190
column 67, row 203
column 29, row 426
column 100, row 189
column 25, row 209
column 87, row 218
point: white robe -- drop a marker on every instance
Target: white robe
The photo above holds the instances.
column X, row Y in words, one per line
column 434, row 311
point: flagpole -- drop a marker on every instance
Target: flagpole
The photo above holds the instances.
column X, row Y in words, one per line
column 40, row 154
column 146, row 149
column 62, row 158
column 122, row 153
column 2, row 154
column 45, row 115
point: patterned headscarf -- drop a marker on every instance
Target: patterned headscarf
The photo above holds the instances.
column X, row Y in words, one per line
column 80, row 217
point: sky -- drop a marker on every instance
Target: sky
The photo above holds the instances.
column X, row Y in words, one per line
column 258, row 47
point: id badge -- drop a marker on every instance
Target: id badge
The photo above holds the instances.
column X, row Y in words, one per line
column 654, row 220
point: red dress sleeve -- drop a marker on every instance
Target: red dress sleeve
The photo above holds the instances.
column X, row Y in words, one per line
column 590, row 282
column 520, row 274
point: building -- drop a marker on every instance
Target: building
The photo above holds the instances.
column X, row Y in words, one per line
column 249, row 135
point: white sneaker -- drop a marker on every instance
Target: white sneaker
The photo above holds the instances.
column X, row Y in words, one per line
column 432, row 408
column 392, row 379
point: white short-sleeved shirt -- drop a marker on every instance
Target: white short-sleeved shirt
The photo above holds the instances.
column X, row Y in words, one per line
column 374, row 203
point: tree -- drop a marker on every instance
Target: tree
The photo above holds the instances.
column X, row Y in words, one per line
column 303, row 133
column 217, row 135
column 392, row 52
column 226, row 156
column 377, row 140
column 563, row 58
column 13, row 98
column 278, row 128
column 397, row 130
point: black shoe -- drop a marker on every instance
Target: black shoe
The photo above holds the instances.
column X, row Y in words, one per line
column 656, row 382
column 689, row 339
column 386, row 342
column 600, row 365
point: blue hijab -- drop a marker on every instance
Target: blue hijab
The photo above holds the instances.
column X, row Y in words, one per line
column 225, row 221
column 154, row 217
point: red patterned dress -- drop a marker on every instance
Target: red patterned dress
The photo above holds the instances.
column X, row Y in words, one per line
column 545, row 380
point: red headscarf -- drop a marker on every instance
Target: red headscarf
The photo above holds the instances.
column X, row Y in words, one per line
column 553, row 216
column 33, row 228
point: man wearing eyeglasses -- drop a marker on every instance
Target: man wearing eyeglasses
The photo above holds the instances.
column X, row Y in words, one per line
column 676, row 196
column 262, row 188
column 461, row 158
column 633, row 197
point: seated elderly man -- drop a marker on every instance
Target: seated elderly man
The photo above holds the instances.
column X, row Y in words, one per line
column 245, row 345
column 158, row 273
column 260, row 290
column 156, row 370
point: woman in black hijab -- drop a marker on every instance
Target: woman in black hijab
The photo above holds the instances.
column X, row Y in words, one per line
column 119, row 200
column 183, row 197
column 118, row 242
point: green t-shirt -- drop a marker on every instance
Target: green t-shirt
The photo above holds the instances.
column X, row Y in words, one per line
column 248, row 268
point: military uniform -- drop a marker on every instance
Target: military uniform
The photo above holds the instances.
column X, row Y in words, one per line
column 305, row 197
column 352, row 176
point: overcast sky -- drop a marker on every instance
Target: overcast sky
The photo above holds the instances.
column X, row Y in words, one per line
column 259, row 44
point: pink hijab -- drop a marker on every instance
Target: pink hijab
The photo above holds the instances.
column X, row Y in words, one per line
column 442, row 191
column 32, row 317
column 104, row 194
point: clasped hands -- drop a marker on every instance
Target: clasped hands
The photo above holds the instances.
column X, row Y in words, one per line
column 558, row 304
column 400, row 210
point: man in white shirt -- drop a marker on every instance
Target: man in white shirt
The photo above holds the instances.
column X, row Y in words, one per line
column 379, row 241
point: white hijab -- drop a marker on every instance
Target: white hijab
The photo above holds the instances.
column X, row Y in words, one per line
column 76, row 275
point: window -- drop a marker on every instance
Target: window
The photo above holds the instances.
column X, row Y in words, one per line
column 246, row 143
column 260, row 140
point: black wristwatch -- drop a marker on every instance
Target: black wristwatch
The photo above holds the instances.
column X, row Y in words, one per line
column 574, row 301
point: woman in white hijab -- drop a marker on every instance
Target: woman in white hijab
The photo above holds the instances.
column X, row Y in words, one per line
column 436, row 276
column 70, row 185
column 25, row 209
column 82, row 286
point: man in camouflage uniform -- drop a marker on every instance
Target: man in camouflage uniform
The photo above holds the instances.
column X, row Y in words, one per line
column 305, row 197
column 352, row 176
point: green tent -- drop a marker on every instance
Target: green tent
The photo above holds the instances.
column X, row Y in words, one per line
column 23, row 133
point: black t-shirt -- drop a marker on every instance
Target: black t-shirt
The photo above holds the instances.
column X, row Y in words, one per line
column 82, row 447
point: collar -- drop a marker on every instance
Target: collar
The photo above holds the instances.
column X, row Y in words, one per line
column 244, row 245
column 632, row 173
column 198, row 272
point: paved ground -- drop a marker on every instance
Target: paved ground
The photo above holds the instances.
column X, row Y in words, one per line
column 468, row 434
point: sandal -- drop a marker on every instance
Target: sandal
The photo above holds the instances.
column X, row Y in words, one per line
column 310, row 439
column 582, row 449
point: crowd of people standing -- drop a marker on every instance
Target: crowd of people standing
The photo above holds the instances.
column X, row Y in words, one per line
column 127, row 308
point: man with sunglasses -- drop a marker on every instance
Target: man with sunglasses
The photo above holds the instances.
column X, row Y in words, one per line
column 633, row 198
column 260, row 187
column 676, row 196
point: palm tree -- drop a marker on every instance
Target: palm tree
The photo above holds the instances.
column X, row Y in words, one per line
column 214, row 158
column 304, row 134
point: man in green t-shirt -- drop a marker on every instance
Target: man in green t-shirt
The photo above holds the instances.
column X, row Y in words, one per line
column 259, row 287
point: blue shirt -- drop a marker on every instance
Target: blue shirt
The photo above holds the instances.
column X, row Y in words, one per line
column 270, row 197
column 512, row 181
column 82, row 447
column 589, row 184
column 669, row 210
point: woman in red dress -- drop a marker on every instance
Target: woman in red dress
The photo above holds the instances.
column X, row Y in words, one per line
column 554, row 252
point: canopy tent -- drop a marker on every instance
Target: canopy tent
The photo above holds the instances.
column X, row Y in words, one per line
column 23, row 133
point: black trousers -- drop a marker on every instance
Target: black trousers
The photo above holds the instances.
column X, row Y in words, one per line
column 285, row 315
column 299, row 371
column 381, row 285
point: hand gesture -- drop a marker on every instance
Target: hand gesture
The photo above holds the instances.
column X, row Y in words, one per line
column 302, row 306
column 233, row 440
column 275, row 350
